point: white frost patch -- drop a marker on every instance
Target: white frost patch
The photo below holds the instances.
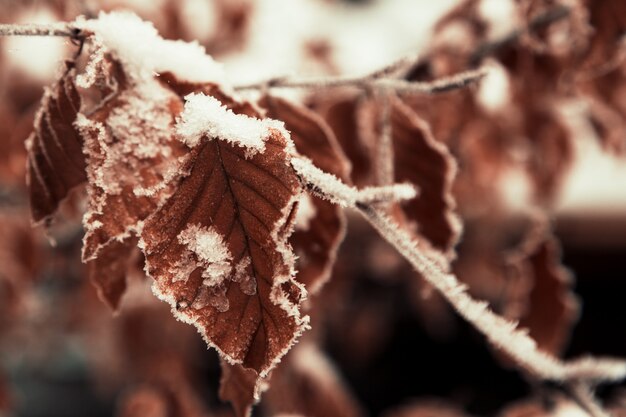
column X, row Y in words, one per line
column 247, row 283
column 306, row 213
column 494, row 90
column 211, row 251
column 205, row 115
column 145, row 54
column 334, row 190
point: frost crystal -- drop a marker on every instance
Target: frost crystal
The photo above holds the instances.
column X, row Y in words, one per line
column 149, row 54
column 204, row 115
column 211, row 251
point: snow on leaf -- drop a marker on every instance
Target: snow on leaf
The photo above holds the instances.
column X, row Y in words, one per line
column 316, row 238
column 133, row 156
column 55, row 159
column 248, row 311
column 205, row 115
column 149, row 53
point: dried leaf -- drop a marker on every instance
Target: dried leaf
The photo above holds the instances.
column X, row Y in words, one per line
column 307, row 383
column 320, row 225
column 217, row 247
column 132, row 155
column 108, row 271
column 421, row 160
column 240, row 386
column 56, row 163
column 342, row 114
column 552, row 308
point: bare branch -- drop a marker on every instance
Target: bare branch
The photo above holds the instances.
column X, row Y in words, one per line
column 370, row 81
column 50, row 29
column 331, row 188
column 502, row 333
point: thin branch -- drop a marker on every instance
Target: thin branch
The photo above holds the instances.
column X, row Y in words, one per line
column 583, row 396
column 501, row 332
column 331, row 188
column 375, row 80
column 489, row 48
column 50, row 29
column 384, row 161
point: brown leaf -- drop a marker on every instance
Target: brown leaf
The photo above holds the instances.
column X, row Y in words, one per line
column 552, row 307
column 421, row 160
column 239, row 386
column 217, row 250
column 56, row 163
column 342, row 114
column 108, row 271
column 307, row 383
column 320, row 225
column 133, row 157
column 608, row 20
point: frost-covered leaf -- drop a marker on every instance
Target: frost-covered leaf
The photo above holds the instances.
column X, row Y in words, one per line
column 56, row 163
column 421, row 160
column 320, row 225
column 132, row 155
column 552, row 307
column 217, row 248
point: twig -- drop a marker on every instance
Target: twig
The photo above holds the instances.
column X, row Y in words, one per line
column 50, row 29
column 583, row 396
column 488, row 48
column 501, row 332
column 377, row 80
column 385, row 166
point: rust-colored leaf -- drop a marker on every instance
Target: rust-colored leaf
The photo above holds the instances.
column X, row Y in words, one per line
column 56, row 163
column 343, row 114
column 133, row 156
column 421, row 160
column 218, row 252
column 108, row 271
column 552, row 307
column 239, row 386
column 320, row 225
column 307, row 383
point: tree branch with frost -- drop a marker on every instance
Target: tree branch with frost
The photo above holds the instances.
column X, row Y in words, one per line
column 385, row 78
column 502, row 333
column 50, row 29
column 329, row 187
